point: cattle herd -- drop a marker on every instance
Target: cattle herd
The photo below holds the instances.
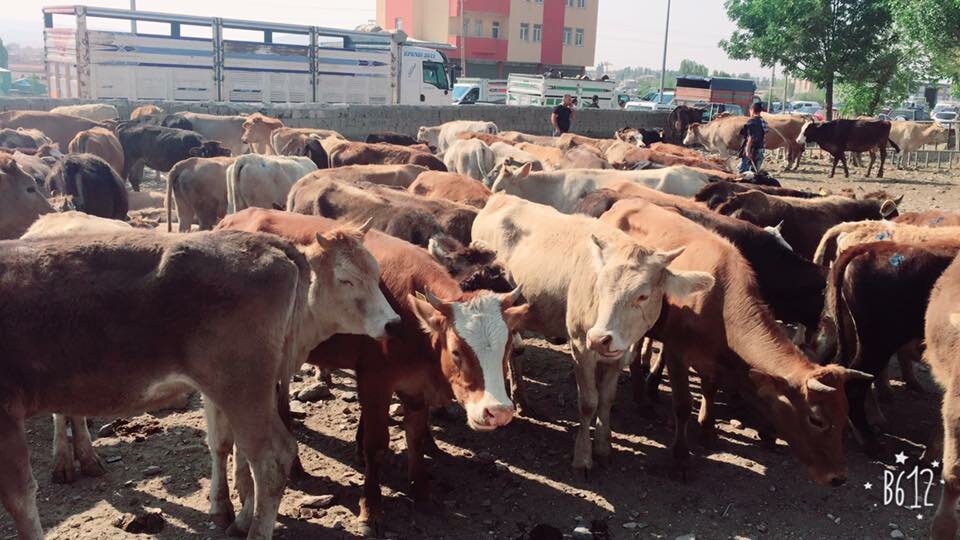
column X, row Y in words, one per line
column 420, row 263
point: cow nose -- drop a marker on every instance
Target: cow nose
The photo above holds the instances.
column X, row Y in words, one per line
column 599, row 341
column 392, row 328
column 838, row 481
column 498, row 415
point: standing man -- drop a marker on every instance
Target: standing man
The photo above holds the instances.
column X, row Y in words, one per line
column 753, row 132
column 562, row 115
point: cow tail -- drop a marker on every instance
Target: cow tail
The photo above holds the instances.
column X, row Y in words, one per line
column 827, row 249
column 479, row 157
column 233, row 176
column 838, row 317
column 81, row 143
column 894, row 145
column 172, row 177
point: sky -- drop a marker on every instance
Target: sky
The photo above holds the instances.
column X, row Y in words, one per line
column 630, row 32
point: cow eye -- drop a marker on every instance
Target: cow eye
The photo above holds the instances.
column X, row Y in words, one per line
column 346, row 282
column 817, row 423
column 640, row 299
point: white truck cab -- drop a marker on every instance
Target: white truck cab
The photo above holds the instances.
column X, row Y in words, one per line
column 423, row 78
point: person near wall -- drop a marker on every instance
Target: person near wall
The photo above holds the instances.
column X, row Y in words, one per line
column 563, row 116
column 753, row 133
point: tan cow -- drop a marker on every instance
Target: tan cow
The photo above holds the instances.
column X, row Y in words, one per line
column 97, row 112
column 268, row 135
column 723, row 135
column 550, row 156
column 451, row 187
column 199, row 186
column 841, row 237
column 399, row 176
column 20, row 199
column 100, row 142
column 263, row 181
column 442, row 136
column 590, row 283
column 60, row 128
column 911, row 136
column 519, row 137
column 147, row 113
column 471, row 157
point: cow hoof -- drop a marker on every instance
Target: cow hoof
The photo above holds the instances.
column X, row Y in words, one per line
column 63, row 475
column 371, row 529
column 679, row 469
column 93, row 466
column 236, row 532
column 223, row 520
column 581, row 474
column 603, row 460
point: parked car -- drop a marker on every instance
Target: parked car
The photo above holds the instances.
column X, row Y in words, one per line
column 806, row 107
column 946, row 117
column 711, row 110
column 650, row 102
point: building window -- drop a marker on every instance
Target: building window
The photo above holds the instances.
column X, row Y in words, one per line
column 479, row 29
column 539, row 1
column 537, row 32
column 398, row 23
column 567, row 35
column 466, row 27
column 582, row 4
column 495, row 30
column 525, row 31
column 569, row 3
column 579, row 41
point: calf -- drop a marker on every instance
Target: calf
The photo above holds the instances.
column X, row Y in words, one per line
column 840, row 136
column 876, row 297
column 398, row 213
column 451, row 345
column 638, row 137
column 804, row 220
column 93, row 185
column 100, row 142
column 589, row 283
column 350, row 153
column 910, row 135
column 267, row 135
column 22, row 138
column 20, row 200
column 451, row 187
column 730, row 338
column 106, row 362
column 160, row 148
column 391, row 137
column 199, row 187
column 60, row 128
column 263, row 181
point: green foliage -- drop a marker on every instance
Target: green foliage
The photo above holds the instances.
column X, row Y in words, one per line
column 689, row 67
column 933, row 29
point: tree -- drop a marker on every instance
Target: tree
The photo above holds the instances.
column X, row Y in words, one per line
column 934, row 28
column 689, row 67
column 718, row 73
column 824, row 41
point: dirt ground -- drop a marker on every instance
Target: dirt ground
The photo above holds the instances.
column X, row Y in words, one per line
column 501, row 484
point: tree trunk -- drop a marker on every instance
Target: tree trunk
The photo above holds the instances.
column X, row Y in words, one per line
column 828, row 114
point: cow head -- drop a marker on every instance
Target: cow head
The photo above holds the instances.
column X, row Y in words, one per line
column 209, row 149
column 810, row 413
column 20, row 200
column 313, row 149
column 629, row 291
column 472, row 335
column 429, row 135
column 693, row 134
column 751, row 206
column 775, row 233
column 808, row 130
column 345, row 275
column 509, row 176
column 257, row 129
column 475, row 267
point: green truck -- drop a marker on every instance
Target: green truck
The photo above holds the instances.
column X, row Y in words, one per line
column 537, row 90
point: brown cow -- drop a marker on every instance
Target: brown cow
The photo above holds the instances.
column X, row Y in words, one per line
column 451, row 187
column 355, row 153
column 804, row 220
column 398, row 213
column 20, row 200
column 452, row 346
column 583, row 157
column 20, row 138
column 549, row 156
column 624, row 154
column 398, row 176
column 60, row 128
column 838, row 137
column 717, row 193
column 99, row 142
column 731, row 339
column 199, row 186
column 929, row 218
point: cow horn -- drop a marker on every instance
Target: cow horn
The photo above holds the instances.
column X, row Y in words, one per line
column 817, row 386
column 515, row 295
column 857, row 375
column 366, row 226
column 779, row 226
column 898, row 200
column 433, row 300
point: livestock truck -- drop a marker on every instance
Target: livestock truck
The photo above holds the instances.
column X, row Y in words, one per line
column 468, row 90
column 539, row 90
column 217, row 59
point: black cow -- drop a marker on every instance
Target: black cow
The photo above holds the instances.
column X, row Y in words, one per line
column 95, row 188
column 306, row 146
column 876, row 298
column 160, row 148
column 717, row 193
column 678, row 121
column 392, row 137
column 840, row 136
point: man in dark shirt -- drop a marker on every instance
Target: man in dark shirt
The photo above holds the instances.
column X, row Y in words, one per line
column 562, row 115
column 753, row 133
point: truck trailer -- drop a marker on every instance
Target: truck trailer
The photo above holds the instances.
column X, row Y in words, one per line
column 538, row 90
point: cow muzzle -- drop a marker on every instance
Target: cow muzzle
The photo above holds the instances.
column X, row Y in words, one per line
column 602, row 343
column 493, row 417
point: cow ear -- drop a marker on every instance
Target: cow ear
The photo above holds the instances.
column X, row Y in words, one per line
column 429, row 317
column 597, row 247
column 680, row 285
column 436, row 250
column 525, row 170
column 196, row 151
column 516, row 316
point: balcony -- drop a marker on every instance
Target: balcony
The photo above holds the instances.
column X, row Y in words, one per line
column 480, row 48
column 500, row 7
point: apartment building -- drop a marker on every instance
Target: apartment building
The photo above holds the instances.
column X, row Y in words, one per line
column 498, row 37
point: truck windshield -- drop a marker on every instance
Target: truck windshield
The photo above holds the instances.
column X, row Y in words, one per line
column 434, row 74
column 458, row 90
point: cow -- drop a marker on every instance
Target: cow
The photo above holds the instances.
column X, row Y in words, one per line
column 36, row 166
column 199, row 187
column 858, row 327
column 71, row 223
column 504, row 151
column 626, row 156
column 678, row 121
column 591, row 284
column 398, row 176
column 929, row 218
column 20, row 200
column 563, row 190
column 391, row 137
column 804, row 220
column 14, row 139
column 267, row 135
column 263, row 181
column 911, row 136
column 150, row 114
column 638, row 136
column 354, row 153
column 471, row 157
column 942, row 335
column 100, row 142
column 731, row 339
column 451, row 345
column 98, row 112
column 550, row 156
column 723, row 135
column 717, row 193
column 519, row 137
column 841, row 237
column 583, row 157
column 60, row 128
column 160, row 148
column 228, row 130
column 397, row 213
column 485, row 137
column 451, row 187
column 95, row 188
column 567, row 141
column 840, row 136
column 107, row 362
column 442, row 136
column 475, row 266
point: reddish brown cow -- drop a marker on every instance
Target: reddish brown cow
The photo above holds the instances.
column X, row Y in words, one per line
column 636, row 155
column 717, row 193
column 451, row 187
column 452, row 346
column 355, row 153
column 60, row 128
column 100, row 142
column 485, row 137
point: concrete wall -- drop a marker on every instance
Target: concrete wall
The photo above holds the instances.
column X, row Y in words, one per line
column 356, row 121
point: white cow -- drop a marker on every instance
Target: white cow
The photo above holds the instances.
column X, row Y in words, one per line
column 97, row 112
column 911, row 136
column 565, row 189
column 72, row 222
column 263, row 181
column 444, row 135
column 471, row 157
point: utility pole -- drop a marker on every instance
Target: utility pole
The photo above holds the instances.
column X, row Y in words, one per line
column 133, row 22
column 663, row 65
column 773, row 77
column 463, row 42
column 785, row 78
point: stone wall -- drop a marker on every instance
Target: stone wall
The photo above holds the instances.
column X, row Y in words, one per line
column 356, row 121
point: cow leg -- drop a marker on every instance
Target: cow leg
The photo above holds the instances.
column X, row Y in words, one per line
column 945, row 523
column 706, row 418
column 883, row 159
column 136, row 174
column 656, row 377
column 220, row 443
column 18, row 487
column 873, row 159
column 607, row 387
column 682, row 404
column 639, row 371
column 375, row 404
column 836, row 159
column 909, row 356
column 90, row 463
column 843, row 160
column 857, row 394
column 518, row 387
column 64, row 471
column 417, row 429
column 585, row 369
